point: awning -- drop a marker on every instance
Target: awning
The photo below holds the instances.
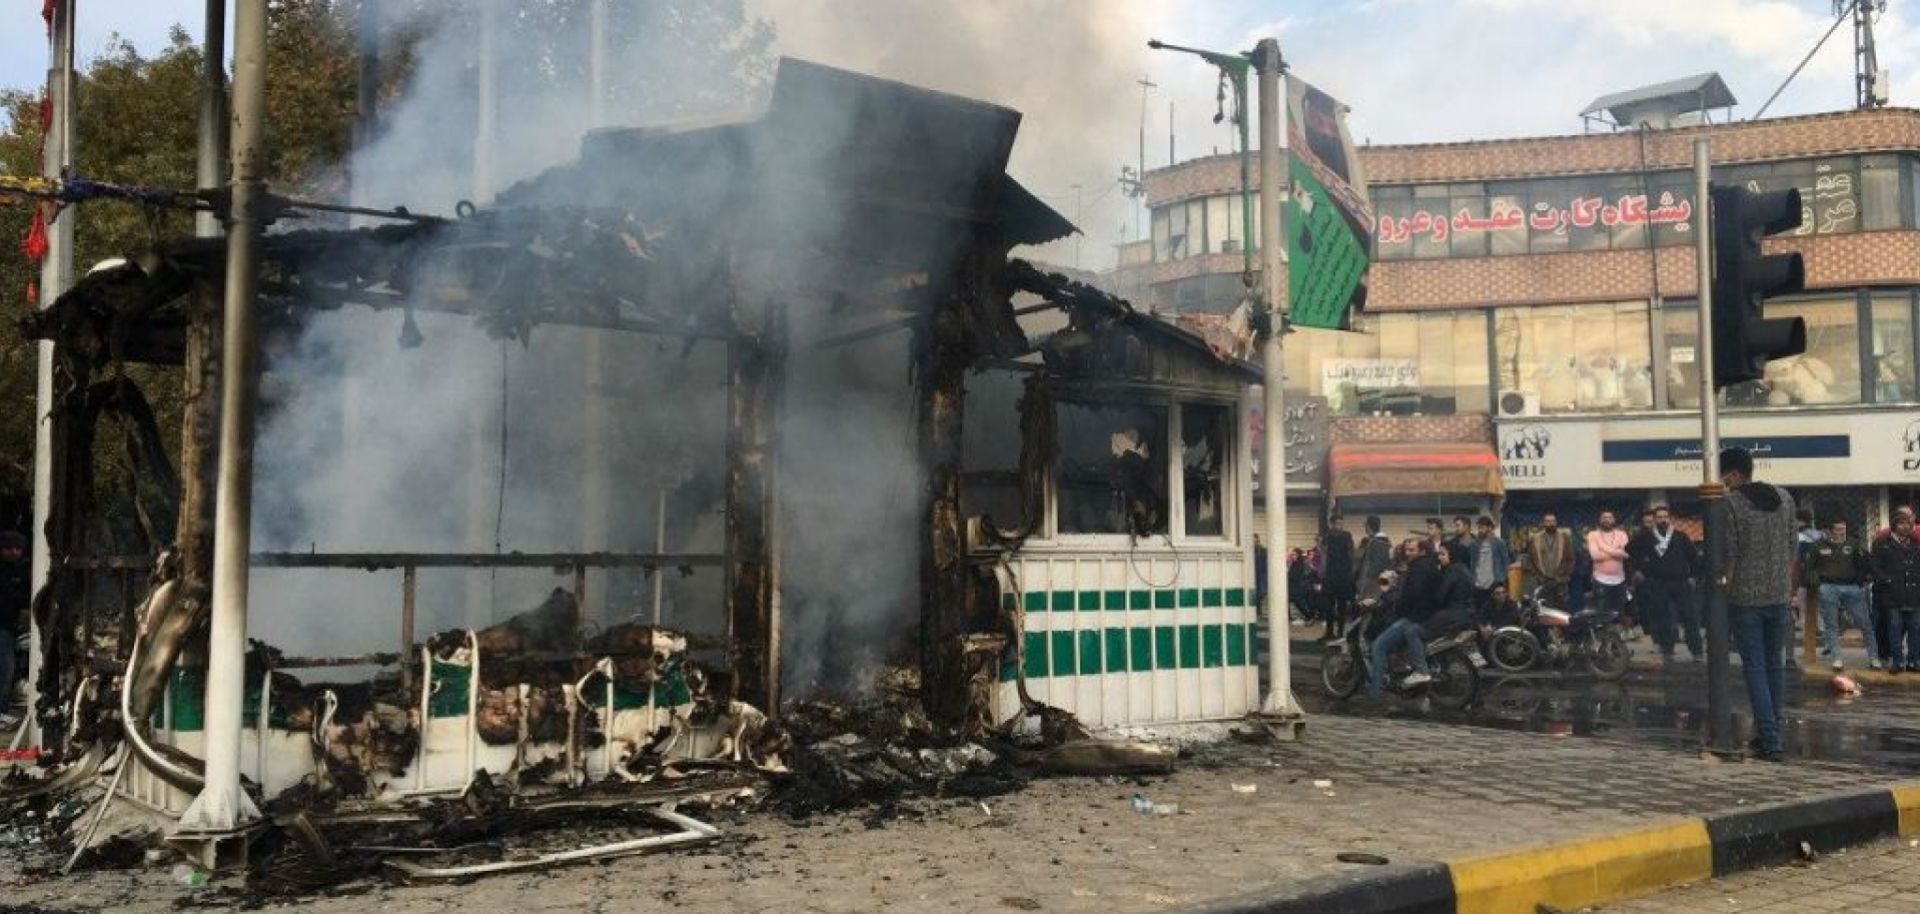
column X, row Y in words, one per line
column 1444, row 468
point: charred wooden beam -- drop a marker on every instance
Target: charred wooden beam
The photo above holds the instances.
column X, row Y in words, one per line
column 944, row 353
column 199, row 434
column 755, row 363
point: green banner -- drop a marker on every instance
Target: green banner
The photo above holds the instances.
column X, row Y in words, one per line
column 1328, row 223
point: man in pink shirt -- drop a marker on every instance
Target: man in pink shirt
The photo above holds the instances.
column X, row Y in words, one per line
column 1607, row 547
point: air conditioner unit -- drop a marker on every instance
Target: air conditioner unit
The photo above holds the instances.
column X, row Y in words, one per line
column 1518, row 404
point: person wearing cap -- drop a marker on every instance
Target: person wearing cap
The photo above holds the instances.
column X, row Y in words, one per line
column 16, row 594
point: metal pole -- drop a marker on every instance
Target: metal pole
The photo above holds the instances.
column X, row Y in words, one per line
column 222, row 807
column 483, row 449
column 211, row 170
column 1273, row 476
column 659, row 545
column 56, row 276
column 596, row 489
column 1720, row 738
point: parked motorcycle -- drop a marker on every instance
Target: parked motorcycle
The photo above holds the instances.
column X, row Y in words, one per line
column 1456, row 678
column 1557, row 639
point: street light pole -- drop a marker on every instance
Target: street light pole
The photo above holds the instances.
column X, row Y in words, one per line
column 1273, row 476
column 224, row 809
column 1720, row 739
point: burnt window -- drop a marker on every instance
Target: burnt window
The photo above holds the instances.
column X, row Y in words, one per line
column 1112, row 471
column 1203, row 465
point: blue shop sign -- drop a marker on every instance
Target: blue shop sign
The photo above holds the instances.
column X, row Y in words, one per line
column 1770, row 447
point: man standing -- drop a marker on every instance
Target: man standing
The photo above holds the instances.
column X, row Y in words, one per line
column 1665, row 563
column 16, row 595
column 1336, row 573
column 1896, row 571
column 1436, row 534
column 1607, row 548
column 1548, row 560
column 1754, row 549
column 1376, row 556
column 1488, row 558
column 1836, row 570
column 1883, row 620
column 1462, row 539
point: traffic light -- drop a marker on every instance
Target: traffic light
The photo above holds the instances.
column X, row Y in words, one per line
column 1744, row 340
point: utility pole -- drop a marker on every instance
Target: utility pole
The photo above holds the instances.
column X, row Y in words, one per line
column 56, row 276
column 483, row 450
column 1279, row 710
column 1279, row 700
column 1869, row 86
column 1720, row 738
column 1140, row 176
column 210, row 172
column 596, row 496
column 1170, row 156
column 1079, row 237
column 223, row 810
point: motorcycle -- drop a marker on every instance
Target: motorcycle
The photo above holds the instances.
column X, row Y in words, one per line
column 1555, row 638
column 1456, row 678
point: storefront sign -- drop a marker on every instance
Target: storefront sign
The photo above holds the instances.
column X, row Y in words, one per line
column 1580, row 212
column 1793, row 449
column 1305, row 436
column 1370, row 374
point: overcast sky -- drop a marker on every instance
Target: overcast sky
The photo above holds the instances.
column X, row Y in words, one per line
column 1412, row 70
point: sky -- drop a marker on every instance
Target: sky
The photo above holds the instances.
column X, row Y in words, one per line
column 1411, row 70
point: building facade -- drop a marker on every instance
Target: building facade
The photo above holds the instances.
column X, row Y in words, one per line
column 1547, row 284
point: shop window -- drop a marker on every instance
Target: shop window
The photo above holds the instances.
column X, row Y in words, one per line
column 1179, row 241
column 1880, row 192
column 990, row 444
column 1577, row 358
column 1827, row 373
column 1219, row 223
column 1681, row 323
column 1111, row 476
column 1431, row 364
column 1469, row 215
column 1893, row 364
column 1162, row 236
column 1392, row 242
column 1204, row 439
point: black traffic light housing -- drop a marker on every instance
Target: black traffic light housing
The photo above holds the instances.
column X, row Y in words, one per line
column 1744, row 339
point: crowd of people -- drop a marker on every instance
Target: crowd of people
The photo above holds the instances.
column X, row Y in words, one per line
column 1653, row 574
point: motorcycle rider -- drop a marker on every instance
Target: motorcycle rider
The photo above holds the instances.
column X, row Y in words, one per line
column 1418, row 589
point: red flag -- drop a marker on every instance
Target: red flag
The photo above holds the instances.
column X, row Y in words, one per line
column 34, row 245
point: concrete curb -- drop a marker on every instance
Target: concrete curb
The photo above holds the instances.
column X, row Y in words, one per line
column 1592, row 871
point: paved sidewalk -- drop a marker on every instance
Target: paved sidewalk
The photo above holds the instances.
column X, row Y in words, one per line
column 1881, row 878
column 1410, row 790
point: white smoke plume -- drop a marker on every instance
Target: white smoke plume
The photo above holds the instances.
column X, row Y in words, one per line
column 372, row 447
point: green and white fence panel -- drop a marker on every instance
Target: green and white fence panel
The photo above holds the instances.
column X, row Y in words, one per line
column 1135, row 638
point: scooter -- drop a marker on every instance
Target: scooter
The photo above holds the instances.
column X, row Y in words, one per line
column 1455, row 677
column 1554, row 638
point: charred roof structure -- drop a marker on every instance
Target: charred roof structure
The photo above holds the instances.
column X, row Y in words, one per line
column 861, row 208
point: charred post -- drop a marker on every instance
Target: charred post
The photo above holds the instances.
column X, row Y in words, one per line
column 940, row 379
column 755, row 360
column 199, row 435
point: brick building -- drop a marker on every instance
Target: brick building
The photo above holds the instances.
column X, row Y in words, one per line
column 1540, row 291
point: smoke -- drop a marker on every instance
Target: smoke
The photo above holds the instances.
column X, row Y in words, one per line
column 368, row 446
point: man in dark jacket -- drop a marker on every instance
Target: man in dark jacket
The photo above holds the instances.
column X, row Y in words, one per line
column 1663, row 563
column 1336, row 573
column 1835, row 569
column 16, row 595
column 1754, row 547
column 1453, row 600
column 1419, row 587
column 1375, row 556
column 1896, row 573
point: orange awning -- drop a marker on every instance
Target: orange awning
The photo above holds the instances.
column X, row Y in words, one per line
column 1447, row 468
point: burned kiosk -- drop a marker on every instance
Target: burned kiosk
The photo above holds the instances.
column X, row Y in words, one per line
column 1128, row 575
column 813, row 287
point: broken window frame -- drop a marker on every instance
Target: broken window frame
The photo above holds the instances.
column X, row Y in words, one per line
column 1232, row 474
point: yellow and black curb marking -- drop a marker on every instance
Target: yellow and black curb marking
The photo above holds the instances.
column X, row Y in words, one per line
column 1598, row 870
